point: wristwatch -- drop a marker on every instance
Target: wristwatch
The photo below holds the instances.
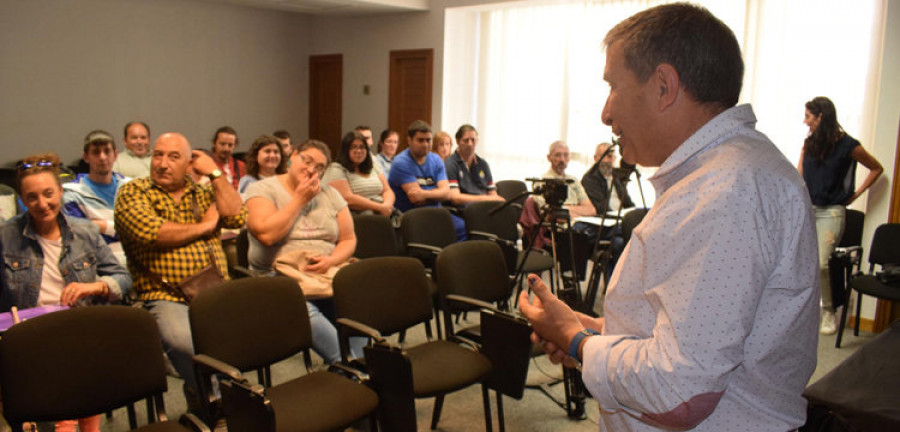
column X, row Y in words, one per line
column 576, row 341
column 216, row 173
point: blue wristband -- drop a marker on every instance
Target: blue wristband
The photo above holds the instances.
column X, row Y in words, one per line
column 576, row 341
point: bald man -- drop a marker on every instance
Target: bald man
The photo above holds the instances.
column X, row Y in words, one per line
column 161, row 230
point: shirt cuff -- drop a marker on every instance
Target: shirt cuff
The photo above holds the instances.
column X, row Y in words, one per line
column 595, row 364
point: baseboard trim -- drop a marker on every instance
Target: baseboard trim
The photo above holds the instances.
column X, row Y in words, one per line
column 865, row 324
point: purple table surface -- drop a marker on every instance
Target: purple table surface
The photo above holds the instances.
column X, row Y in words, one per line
column 6, row 318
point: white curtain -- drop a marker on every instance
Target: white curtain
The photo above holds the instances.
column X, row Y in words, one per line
column 531, row 72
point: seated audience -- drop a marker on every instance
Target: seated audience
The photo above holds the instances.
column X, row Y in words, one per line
column 468, row 174
column 53, row 259
column 387, row 148
column 225, row 140
column 284, row 138
column 577, row 201
column 264, row 160
column 165, row 239
column 294, row 211
column 599, row 180
column 418, row 176
column 366, row 132
column 134, row 162
column 356, row 178
column 443, row 145
column 92, row 196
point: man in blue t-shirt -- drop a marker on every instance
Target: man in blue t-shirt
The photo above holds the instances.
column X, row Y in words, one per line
column 92, row 196
column 417, row 176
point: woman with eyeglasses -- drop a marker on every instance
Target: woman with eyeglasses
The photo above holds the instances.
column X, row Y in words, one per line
column 358, row 180
column 264, row 160
column 53, row 259
column 828, row 166
column 295, row 211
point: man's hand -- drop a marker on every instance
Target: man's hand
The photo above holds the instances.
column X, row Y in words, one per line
column 417, row 196
column 201, row 163
column 554, row 323
column 77, row 290
column 318, row 263
column 210, row 220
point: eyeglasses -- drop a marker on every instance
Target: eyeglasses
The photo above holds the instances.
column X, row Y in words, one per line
column 358, row 147
column 308, row 161
column 39, row 164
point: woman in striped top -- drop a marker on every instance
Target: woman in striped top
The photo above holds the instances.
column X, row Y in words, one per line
column 358, row 180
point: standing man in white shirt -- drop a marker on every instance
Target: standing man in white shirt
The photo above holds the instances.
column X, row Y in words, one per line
column 711, row 317
column 134, row 162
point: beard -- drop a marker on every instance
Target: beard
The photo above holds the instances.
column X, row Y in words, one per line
column 605, row 168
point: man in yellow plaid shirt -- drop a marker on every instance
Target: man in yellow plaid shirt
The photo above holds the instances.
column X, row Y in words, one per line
column 160, row 233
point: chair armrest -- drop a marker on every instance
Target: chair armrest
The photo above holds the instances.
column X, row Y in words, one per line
column 848, row 249
column 240, row 272
column 469, row 301
column 433, row 249
column 492, row 237
column 361, row 329
column 193, row 423
column 208, row 366
column 342, row 369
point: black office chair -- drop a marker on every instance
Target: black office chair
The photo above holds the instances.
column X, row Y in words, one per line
column 843, row 263
column 241, row 266
column 377, row 297
column 473, row 269
column 375, row 236
column 86, row 361
column 512, row 190
column 885, row 254
column 500, row 227
column 249, row 324
column 631, row 220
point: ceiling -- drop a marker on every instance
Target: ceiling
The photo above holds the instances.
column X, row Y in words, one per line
column 335, row 7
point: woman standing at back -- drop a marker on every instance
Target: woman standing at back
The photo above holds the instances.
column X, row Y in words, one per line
column 828, row 165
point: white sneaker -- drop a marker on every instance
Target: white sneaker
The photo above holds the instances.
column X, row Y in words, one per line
column 827, row 327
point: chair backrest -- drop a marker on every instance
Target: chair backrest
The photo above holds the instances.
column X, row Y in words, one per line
column 884, row 245
column 631, row 220
column 853, row 228
column 375, row 236
column 431, row 226
column 509, row 189
column 501, row 223
column 80, row 362
column 252, row 322
column 388, row 294
column 474, row 268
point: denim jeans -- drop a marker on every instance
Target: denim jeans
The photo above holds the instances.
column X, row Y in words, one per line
column 325, row 337
column 829, row 229
column 175, row 329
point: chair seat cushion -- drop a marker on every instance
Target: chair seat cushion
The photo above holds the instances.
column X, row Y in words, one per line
column 442, row 367
column 870, row 285
column 320, row 401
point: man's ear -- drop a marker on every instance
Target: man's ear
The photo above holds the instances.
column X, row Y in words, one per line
column 668, row 82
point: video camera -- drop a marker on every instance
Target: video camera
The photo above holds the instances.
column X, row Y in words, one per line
column 553, row 190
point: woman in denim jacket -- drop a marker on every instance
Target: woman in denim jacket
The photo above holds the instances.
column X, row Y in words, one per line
column 52, row 259
column 84, row 267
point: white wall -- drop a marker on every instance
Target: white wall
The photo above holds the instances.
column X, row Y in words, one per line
column 69, row 67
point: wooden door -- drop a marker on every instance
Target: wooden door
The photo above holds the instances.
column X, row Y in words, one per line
column 886, row 311
column 326, row 80
column 410, row 94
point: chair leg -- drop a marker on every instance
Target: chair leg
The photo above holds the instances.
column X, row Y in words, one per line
column 858, row 311
column 436, row 414
column 843, row 323
column 501, row 421
column 373, row 421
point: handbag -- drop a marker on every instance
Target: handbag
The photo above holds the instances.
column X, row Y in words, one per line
column 314, row 285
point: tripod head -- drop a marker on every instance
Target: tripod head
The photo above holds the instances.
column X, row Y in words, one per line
column 554, row 191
